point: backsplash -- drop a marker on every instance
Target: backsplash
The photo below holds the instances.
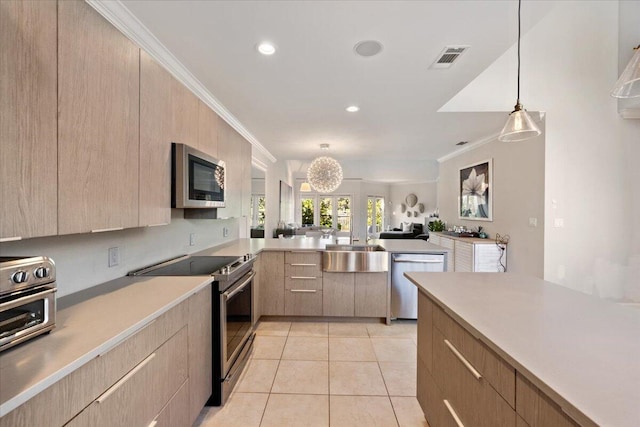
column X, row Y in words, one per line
column 82, row 260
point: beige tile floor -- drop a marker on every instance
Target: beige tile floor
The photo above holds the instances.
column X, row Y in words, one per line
column 325, row 374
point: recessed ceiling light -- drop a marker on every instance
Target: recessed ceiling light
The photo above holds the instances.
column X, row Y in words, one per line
column 352, row 108
column 368, row 48
column 266, row 48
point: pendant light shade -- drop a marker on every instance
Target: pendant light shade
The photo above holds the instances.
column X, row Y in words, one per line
column 628, row 85
column 520, row 125
column 305, row 187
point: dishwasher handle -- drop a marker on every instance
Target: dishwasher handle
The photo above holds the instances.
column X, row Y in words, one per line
column 418, row 261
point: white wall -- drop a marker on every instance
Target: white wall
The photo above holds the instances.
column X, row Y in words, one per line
column 427, row 195
column 275, row 173
column 518, row 194
column 570, row 63
column 82, row 259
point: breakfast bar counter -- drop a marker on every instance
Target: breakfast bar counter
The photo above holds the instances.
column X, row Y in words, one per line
column 580, row 351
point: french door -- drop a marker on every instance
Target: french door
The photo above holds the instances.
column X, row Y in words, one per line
column 326, row 211
column 375, row 216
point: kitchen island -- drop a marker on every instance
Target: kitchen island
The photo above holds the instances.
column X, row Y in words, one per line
column 526, row 351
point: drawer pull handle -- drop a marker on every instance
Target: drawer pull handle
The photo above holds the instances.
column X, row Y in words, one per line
column 304, row 277
column 464, row 361
column 104, row 396
column 304, row 265
column 305, row 291
column 453, row 413
column 102, row 230
column 153, row 423
column 10, row 239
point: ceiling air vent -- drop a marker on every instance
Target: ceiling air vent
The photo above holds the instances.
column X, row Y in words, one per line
column 448, row 56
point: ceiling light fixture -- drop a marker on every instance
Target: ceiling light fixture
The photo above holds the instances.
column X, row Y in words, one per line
column 324, row 173
column 628, row 85
column 305, row 187
column 368, row 48
column 353, row 108
column 266, row 48
column 520, row 125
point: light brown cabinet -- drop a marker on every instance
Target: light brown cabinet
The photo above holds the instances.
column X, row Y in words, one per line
column 371, row 294
column 98, row 122
column 200, row 352
column 230, row 151
column 28, row 119
column 208, row 122
column 246, row 179
column 537, row 409
column 184, row 117
column 271, row 279
column 338, row 293
column 303, row 283
column 156, row 112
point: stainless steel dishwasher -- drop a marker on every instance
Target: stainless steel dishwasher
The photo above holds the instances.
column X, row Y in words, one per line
column 404, row 294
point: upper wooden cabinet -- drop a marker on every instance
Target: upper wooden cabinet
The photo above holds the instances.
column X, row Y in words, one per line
column 230, row 151
column 185, row 106
column 98, row 122
column 156, row 119
column 207, row 130
column 28, row 139
column 246, row 179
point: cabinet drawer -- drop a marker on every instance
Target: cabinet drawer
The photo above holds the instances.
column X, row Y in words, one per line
column 430, row 399
column 425, row 330
column 493, row 368
column 467, row 392
column 176, row 412
column 308, row 258
column 144, row 390
column 294, row 270
column 302, row 282
column 303, row 302
column 537, row 409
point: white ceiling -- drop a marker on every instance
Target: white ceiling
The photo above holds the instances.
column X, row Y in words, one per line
column 294, row 100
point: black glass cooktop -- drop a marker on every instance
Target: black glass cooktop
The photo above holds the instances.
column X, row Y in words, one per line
column 193, row 266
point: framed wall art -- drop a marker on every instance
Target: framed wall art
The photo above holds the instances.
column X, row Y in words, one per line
column 475, row 201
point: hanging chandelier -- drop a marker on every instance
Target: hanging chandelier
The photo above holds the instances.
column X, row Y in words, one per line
column 520, row 125
column 628, row 85
column 324, row 173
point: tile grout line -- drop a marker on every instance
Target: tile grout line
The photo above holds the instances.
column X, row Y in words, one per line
column 264, row 411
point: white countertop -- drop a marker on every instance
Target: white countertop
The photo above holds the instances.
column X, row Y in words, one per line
column 302, row 243
column 86, row 330
column 582, row 351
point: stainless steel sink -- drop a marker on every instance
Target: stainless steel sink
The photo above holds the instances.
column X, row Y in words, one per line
column 355, row 258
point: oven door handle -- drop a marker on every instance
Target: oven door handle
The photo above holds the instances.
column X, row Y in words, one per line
column 27, row 299
column 240, row 287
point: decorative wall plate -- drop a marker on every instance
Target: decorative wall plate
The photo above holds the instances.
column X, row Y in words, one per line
column 421, row 207
column 409, row 214
column 411, row 200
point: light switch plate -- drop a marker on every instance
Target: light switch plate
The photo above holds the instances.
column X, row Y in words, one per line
column 533, row 222
column 192, row 239
column 114, row 256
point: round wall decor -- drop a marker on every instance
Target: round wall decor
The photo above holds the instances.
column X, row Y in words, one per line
column 411, row 200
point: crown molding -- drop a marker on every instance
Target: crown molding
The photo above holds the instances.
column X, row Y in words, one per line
column 468, row 147
column 121, row 17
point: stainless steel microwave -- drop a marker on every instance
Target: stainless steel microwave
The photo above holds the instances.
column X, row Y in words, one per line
column 198, row 179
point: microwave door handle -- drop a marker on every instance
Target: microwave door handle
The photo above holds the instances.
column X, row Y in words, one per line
column 240, row 288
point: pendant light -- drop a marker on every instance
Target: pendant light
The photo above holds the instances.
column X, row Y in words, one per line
column 520, row 125
column 305, row 187
column 628, row 85
column 324, row 173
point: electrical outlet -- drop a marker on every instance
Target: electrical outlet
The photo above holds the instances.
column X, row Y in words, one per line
column 114, row 256
column 225, row 231
column 533, row 222
column 558, row 222
column 192, row 239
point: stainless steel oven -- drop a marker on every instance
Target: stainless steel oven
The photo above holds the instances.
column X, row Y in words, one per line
column 232, row 312
column 27, row 299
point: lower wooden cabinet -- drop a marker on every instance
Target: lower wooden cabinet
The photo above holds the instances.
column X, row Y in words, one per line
column 537, row 409
column 200, row 352
column 176, row 412
column 371, row 294
column 338, row 293
column 271, row 279
column 303, row 302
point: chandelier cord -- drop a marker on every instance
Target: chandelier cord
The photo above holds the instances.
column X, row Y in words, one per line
column 519, row 6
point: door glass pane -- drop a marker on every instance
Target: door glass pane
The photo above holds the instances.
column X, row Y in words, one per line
column 307, row 212
column 344, row 214
column 370, row 213
column 261, row 210
column 326, row 212
column 379, row 214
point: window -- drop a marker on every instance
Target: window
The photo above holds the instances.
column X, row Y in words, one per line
column 375, row 214
column 257, row 209
column 331, row 212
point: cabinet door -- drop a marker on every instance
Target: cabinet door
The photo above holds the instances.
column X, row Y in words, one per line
column 371, row 291
column 338, row 294
column 207, row 130
column 272, row 283
column 464, row 256
column 98, row 122
column 230, row 150
column 303, row 302
column 200, row 348
column 155, row 142
column 175, row 413
column 28, row 119
column 246, row 178
column 184, row 123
